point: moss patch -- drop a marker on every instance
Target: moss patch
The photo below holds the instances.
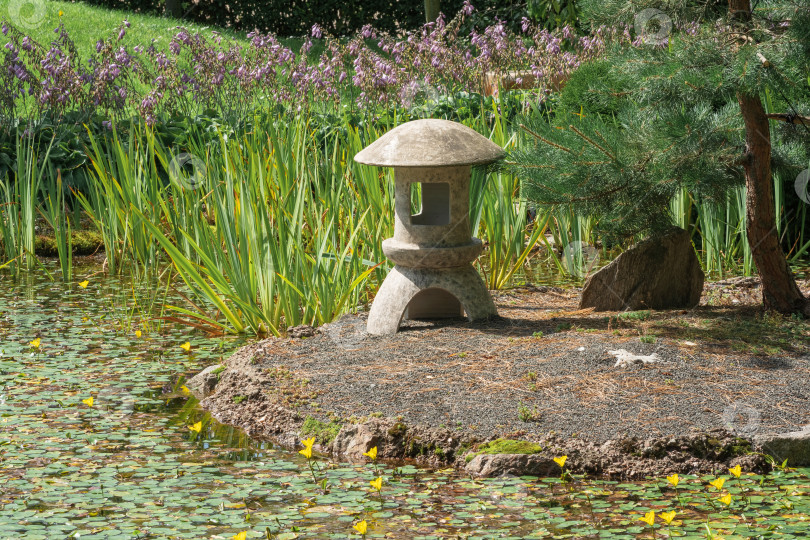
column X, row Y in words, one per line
column 323, row 432
column 83, row 243
column 505, row 446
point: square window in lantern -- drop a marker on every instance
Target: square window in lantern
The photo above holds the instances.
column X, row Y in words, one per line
column 430, row 203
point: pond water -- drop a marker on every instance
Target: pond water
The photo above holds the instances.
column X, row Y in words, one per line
column 143, row 461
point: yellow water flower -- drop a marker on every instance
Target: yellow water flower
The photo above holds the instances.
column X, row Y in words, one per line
column 726, row 499
column 718, row 483
column 668, row 516
column 35, row 344
column 186, row 346
column 361, row 527
column 307, row 451
column 84, row 284
column 196, row 428
column 377, row 484
column 648, row 518
column 241, row 536
column 372, row 454
column 560, row 460
column 184, row 389
column 138, row 333
column 673, row 480
column 88, row 401
column 736, row 471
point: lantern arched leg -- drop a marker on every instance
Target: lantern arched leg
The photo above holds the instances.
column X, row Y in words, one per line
column 429, row 293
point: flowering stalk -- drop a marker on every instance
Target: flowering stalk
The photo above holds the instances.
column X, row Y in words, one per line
column 197, row 71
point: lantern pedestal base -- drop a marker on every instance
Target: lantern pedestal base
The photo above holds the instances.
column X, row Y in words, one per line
column 429, row 293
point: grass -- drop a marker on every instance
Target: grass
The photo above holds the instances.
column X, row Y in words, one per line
column 86, row 24
column 526, row 414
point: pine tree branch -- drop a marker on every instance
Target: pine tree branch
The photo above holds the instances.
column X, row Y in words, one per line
column 548, row 142
column 790, row 118
column 578, row 132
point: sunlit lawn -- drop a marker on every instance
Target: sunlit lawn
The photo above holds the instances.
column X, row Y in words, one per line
column 86, row 24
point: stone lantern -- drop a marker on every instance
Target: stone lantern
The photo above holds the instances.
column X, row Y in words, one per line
column 432, row 246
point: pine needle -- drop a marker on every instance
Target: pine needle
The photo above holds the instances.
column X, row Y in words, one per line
column 593, row 143
column 548, row 142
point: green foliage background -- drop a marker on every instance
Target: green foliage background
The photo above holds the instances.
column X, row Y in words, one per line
column 339, row 17
column 632, row 130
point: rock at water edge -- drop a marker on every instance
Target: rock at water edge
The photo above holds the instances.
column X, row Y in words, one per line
column 492, row 465
column 793, row 447
column 203, row 383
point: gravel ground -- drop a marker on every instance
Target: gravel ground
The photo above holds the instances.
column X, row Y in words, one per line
column 479, row 379
column 504, row 379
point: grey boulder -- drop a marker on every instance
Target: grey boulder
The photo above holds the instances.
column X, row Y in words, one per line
column 793, row 447
column 203, row 383
column 492, row 465
column 661, row 272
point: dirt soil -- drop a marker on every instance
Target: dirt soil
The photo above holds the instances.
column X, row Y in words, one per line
column 541, row 372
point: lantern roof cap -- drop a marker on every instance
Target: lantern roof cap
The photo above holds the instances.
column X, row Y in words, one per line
column 430, row 143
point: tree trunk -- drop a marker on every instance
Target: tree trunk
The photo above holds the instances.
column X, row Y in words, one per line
column 431, row 10
column 779, row 289
column 175, row 8
column 740, row 9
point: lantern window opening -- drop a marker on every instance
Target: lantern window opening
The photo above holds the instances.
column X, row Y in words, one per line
column 430, row 203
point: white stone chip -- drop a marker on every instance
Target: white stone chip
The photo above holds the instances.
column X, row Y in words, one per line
column 625, row 358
